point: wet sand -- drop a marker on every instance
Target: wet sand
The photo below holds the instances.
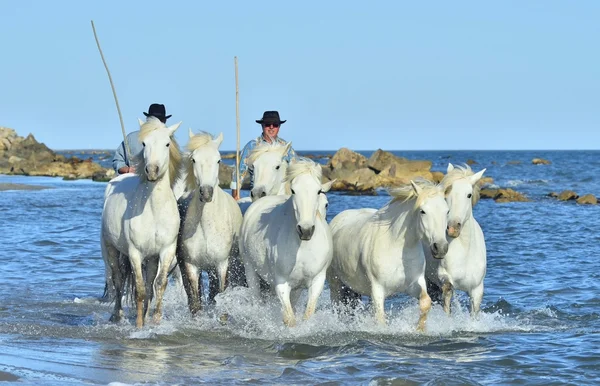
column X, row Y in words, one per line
column 8, row 377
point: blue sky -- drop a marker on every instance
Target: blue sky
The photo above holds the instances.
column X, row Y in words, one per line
column 384, row 74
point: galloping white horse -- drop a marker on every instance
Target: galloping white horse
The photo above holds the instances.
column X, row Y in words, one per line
column 286, row 241
column 379, row 252
column 464, row 266
column 210, row 228
column 269, row 169
column 140, row 221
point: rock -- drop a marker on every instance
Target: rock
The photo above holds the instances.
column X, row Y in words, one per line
column 587, row 199
column 348, row 160
column 503, row 195
column 513, row 163
column 225, row 172
column 383, row 169
column 540, row 161
column 509, row 195
column 437, row 176
column 382, row 159
column 567, row 195
column 27, row 156
column 553, row 194
column 483, row 181
column 471, row 162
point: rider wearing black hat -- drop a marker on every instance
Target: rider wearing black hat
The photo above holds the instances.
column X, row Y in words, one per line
column 121, row 160
column 270, row 123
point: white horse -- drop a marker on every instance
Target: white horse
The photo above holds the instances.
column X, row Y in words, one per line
column 379, row 252
column 464, row 266
column 269, row 169
column 209, row 231
column 286, row 241
column 140, row 221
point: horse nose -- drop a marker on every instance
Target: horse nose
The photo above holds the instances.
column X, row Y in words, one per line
column 206, row 193
column 151, row 172
column 453, row 229
column 305, row 233
column 439, row 250
column 257, row 193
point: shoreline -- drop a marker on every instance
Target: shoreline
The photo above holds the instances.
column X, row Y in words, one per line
column 7, row 186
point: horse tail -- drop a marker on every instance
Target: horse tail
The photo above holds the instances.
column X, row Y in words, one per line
column 435, row 292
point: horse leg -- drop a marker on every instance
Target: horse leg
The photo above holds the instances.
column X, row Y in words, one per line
column 283, row 293
column 135, row 259
column 236, row 274
column 111, row 259
column 151, row 271
column 476, row 296
column 378, row 300
column 424, row 305
column 253, row 280
column 335, row 289
column 160, row 283
column 447, row 292
column 191, row 278
column 434, row 291
column 314, row 291
column 213, row 285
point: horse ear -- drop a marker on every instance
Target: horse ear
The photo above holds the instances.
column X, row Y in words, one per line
column 287, row 148
column 173, row 128
column 450, row 168
column 326, row 186
column 418, row 190
column 140, row 122
column 190, row 133
column 219, row 139
column 476, row 177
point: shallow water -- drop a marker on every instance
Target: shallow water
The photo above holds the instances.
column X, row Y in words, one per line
column 540, row 322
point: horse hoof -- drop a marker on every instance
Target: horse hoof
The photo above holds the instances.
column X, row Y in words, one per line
column 156, row 318
column 223, row 319
column 115, row 318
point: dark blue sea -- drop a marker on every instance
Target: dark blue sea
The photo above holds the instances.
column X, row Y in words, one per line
column 540, row 323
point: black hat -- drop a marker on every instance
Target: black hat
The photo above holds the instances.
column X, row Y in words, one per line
column 157, row 110
column 270, row 117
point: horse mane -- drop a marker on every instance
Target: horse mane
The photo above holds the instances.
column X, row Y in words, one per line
column 456, row 174
column 175, row 158
column 263, row 148
column 406, row 192
column 303, row 165
column 196, row 142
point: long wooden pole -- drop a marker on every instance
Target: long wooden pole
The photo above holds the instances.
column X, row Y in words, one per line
column 237, row 125
column 127, row 152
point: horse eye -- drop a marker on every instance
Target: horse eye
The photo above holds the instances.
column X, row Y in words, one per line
column 320, row 191
column 219, row 161
column 326, row 206
column 168, row 144
column 144, row 144
column 422, row 211
column 193, row 160
column 277, row 167
column 469, row 195
column 293, row 191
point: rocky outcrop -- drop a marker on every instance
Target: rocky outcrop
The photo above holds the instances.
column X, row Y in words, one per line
column 26, row 156
column 540, row 161
column 355, row 172
column 503, row 195
column 587, row 199
column 567, row 195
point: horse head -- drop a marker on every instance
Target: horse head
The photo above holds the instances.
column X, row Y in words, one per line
column 203, row 164
column 432, row 212
column 268, row 168
column 462, row 192
column 161, row 152
column 304, row 177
